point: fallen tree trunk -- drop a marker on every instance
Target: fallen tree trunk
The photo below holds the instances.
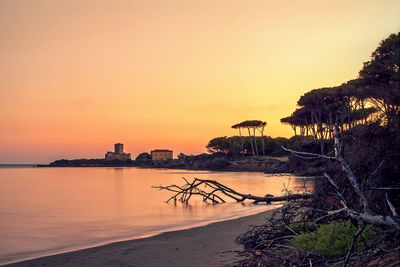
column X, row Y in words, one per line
column 215, row 192
column 367, row 215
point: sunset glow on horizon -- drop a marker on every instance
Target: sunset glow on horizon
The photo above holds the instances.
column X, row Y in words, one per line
column 78, row 76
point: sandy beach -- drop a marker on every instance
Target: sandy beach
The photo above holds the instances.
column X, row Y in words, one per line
column 210, row 245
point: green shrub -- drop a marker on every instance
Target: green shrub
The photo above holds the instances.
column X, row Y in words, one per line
column 333, row 240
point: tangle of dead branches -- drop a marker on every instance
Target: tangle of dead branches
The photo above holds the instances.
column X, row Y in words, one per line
column 215, row 192
column 268, row 244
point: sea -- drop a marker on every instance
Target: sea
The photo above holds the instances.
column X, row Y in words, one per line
column 46, row 211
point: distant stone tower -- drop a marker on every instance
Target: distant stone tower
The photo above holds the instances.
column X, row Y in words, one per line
column 118, row 153
column 118, row 148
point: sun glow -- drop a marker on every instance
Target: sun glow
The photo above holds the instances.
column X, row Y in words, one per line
column 76, row 77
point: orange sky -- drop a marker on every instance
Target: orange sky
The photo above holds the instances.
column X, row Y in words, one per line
column 77, row 76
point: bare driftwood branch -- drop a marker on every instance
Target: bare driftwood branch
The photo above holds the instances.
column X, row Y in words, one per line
column 349, row 173
column 392, row 208
column 376, row 170
column 382, row 188
column 344, row 165
column 362, row 217
column 338, row 193
column 367, row 216
column 330, row 213
column 377, row 220
column 306, row 155
column 215, row 192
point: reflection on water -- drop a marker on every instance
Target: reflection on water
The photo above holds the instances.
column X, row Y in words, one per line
column 47, row 210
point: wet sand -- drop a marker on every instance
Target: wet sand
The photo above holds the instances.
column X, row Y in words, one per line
column 210, row 245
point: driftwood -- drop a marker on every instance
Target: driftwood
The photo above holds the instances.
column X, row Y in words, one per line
column 363, row 217
column 366, row 216
column 269, row 236
column 215, row 192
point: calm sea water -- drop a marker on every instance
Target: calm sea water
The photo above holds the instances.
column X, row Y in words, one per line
column 51, row 210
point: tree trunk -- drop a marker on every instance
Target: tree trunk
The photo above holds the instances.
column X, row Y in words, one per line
column 294, row 129
column 251, row 141
column 255, row 141
column 241, row 142
column 322, row 140
column 262, row 140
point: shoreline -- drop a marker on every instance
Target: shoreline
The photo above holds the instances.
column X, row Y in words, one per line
column 44, row 166
column 209, row 162
column 181, row 169
column 209, row 245
column 162, row 168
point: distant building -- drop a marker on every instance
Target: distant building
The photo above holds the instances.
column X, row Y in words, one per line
column 118, row 154
column 119, row 148
column 161, row 154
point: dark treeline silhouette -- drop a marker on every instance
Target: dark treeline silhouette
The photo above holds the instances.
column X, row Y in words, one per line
column 256, row 143
column 252, row 126
column 365, row 112
column 372, row 97
column 234, row 146
column 350, row 135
